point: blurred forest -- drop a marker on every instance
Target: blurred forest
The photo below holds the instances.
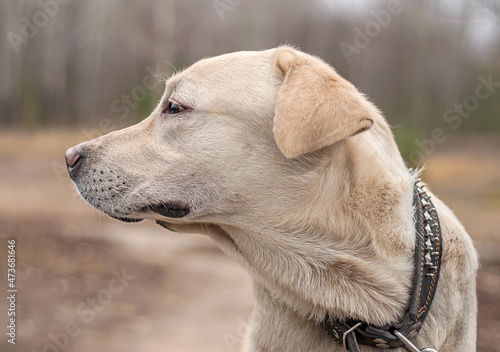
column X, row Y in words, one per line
column 74, row 63
column 76, row 69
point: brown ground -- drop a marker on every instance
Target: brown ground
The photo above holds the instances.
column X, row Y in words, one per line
column 179, row 293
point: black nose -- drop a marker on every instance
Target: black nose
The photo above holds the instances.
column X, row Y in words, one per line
column 72, row 159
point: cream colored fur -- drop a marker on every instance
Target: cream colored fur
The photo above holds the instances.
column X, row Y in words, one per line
column 295, row 175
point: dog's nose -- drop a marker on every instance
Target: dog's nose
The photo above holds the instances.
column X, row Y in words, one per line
column 72, row 158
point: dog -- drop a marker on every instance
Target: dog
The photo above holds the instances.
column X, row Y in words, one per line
column 296, row 175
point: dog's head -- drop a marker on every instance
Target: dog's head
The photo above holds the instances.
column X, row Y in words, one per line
column 266, row 153
column 234, row 134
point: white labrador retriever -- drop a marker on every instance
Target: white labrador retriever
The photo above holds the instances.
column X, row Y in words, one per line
column 295, row 175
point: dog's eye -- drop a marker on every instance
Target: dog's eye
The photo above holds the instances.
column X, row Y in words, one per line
column 172, row 108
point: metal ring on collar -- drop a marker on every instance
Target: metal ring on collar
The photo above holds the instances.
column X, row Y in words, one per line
column 344, row 342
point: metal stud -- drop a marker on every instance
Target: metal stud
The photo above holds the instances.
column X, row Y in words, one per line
column 428, row 245
column 428, row 229
column 424, row 202
column 427, row 217
column 428, row 259
column 379, row 341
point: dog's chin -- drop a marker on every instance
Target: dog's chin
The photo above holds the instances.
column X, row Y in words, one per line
column 165, row 225
column 172, row 210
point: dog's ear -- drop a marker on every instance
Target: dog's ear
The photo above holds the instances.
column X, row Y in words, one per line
column 315, row 106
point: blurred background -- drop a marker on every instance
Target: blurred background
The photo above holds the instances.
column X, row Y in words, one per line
column 73, row 70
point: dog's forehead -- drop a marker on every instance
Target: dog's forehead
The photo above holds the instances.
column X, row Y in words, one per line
column 237, row 62
column 227, row 68
column 245, row 74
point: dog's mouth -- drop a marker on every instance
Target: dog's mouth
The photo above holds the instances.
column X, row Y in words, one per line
column 170, row 210
column 173, row 210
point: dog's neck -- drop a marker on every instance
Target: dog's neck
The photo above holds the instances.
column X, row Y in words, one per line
column 308, row 263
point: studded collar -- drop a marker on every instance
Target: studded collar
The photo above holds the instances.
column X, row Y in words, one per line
column 428, row 255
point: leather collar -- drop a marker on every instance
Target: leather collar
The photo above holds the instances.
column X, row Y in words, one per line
column 428, row 255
